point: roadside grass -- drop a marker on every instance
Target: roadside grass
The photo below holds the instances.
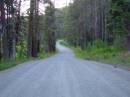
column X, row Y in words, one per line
column 103, row 53
column 45, row 54
column 109, row 55
column 11, row 63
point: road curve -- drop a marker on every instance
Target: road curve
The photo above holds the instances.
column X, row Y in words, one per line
column 64, row 75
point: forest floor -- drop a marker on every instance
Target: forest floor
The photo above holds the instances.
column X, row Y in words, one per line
column 64, row 75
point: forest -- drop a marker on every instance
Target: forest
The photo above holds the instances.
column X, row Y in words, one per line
column 90, row 20
column 98, row 29
column 95, row 29
column 64, row 48
column 24, row 36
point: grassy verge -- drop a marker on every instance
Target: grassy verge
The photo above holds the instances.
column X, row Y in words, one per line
column 12, row 63
column 107, row 55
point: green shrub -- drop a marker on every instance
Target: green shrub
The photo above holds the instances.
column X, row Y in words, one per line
column 21, row 50
column 96, row 44
column 99, row 44
column 120, row 42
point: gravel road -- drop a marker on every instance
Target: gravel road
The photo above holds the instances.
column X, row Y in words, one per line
column 64, row 75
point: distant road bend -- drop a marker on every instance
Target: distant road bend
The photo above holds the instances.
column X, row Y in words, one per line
column 64, row 75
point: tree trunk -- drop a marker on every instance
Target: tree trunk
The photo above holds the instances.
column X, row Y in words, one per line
column 33, row 35
column 2, row 20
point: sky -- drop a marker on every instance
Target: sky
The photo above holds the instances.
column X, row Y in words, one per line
column 58, row 4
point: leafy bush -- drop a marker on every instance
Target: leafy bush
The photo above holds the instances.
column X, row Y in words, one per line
column 21, row 50
column 96, row 44
column 99, row 43
column 120, row 42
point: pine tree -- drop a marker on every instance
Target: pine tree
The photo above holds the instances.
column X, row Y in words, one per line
column 2, row 23
column 50, row 28
column 33, row 35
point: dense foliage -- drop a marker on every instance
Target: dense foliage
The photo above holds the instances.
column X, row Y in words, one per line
column 89, row 20
column 21, row 35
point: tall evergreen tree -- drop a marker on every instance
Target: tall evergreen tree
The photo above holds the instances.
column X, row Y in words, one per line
column 50, row 28
column 33, row 35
